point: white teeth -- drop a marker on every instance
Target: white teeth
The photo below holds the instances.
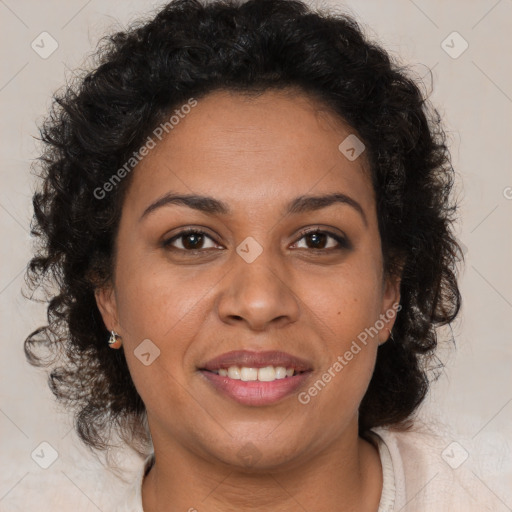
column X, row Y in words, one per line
column 234, row 372
column 281, row 372
column 266, row 374
column 247, row 374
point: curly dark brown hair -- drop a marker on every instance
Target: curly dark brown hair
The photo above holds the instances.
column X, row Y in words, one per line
column 189, row 49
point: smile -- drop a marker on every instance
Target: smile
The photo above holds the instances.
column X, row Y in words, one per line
column 256, row 378
column 266, row 374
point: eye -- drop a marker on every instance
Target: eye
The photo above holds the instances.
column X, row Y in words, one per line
column 319, row 240
column 190, row 240
column 194, row 240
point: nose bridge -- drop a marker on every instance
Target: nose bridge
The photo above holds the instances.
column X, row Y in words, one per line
column 258, row 288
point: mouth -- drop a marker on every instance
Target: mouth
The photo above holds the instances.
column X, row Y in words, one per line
column 256, row 378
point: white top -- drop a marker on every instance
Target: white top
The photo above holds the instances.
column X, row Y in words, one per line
column 422, row 472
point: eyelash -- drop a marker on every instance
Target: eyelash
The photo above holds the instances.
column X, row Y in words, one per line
column 342, row 241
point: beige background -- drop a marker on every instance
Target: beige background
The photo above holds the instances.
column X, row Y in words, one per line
column 472, row 400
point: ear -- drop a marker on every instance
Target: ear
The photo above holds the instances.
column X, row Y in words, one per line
column 106, row 302
column 390, row 306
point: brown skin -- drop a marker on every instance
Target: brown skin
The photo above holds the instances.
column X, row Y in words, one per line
column 256, row 155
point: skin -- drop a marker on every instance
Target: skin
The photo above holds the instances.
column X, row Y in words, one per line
column 255, row 154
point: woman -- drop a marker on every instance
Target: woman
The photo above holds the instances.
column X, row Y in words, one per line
column 250, row 203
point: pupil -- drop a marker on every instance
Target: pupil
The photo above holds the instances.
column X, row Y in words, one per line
column 315, row 237
column 196, row 240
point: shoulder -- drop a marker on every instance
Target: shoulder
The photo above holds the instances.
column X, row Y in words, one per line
column 433, row 471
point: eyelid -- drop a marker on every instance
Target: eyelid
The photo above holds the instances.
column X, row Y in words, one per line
column 340, row 238
column 184, row 232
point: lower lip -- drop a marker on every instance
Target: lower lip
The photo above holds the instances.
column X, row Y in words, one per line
column 256, row 392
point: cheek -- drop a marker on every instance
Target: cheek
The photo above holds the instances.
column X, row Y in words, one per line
column 164, row 306
column 347, row 302
column 346, row 299
column 153, row 298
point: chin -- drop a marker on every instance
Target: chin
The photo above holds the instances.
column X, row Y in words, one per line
column 257, row 456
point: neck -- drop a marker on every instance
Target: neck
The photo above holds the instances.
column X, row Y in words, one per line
column 346, row 476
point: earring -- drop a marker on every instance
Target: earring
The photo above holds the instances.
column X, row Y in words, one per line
column 115, row 340
column 390, row 334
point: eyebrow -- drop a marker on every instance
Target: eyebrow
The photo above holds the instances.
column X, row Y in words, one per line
column 210, row 205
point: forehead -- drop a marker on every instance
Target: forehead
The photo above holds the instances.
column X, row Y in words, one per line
column 248, row 150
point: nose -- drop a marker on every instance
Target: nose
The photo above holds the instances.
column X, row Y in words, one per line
column 259, row 294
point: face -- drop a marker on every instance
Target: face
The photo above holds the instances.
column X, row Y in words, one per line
column 251, row 280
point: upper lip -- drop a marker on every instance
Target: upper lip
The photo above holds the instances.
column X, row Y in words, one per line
column 251, row 359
